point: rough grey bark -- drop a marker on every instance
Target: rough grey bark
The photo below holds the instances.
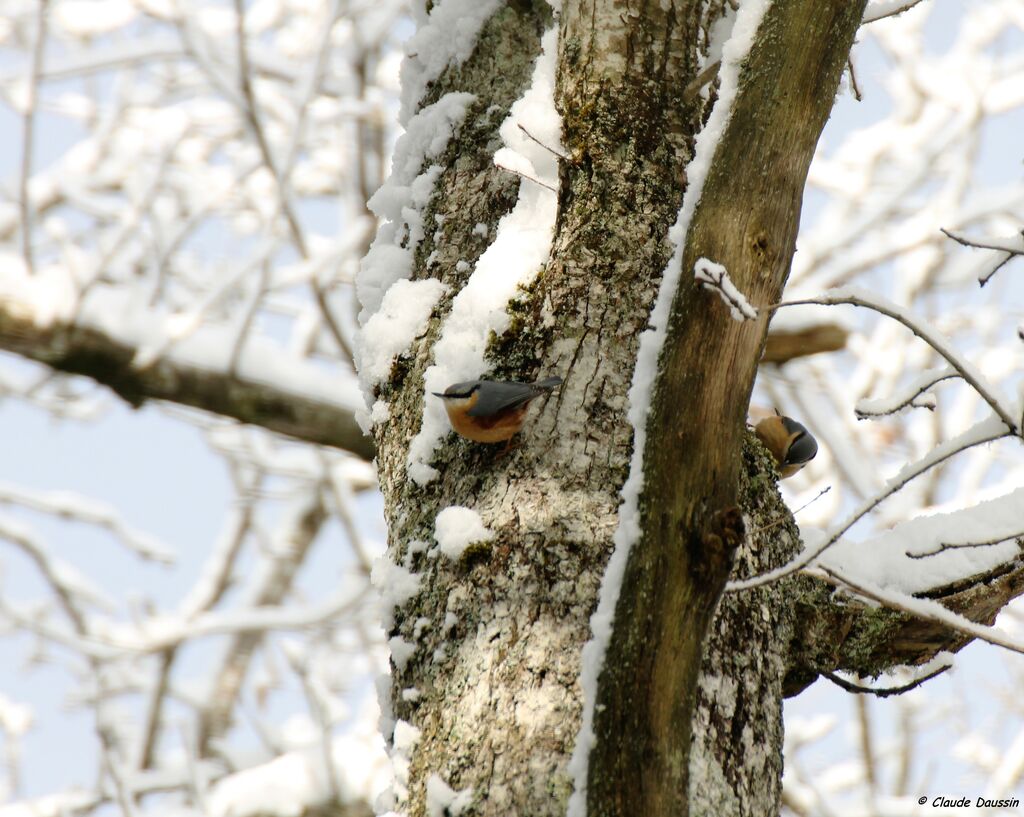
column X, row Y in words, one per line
column 497, row 701
column 499, row 708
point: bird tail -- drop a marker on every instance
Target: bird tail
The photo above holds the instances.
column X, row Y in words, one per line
column 548, row 383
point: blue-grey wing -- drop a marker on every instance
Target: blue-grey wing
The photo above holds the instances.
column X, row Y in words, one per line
column 495, row 396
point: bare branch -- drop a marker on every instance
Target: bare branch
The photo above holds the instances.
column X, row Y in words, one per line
column 252, row 116
column 965, row 369
column 944, row 546
column 884, row 692
column 913, row 397
column 91, row 352
column 1004, row 248
column 270, row 589
column 28, row 135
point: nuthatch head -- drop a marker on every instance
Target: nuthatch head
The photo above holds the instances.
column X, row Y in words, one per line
column 491, row 411
column 790, row 443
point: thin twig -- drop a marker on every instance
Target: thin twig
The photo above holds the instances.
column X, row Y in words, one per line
column 311, row 87
column 251, row 309
column 251, row 112
column 777, row 522
column 548, row 148
column 853, row 80
column 154, row 709
column 866, row 414
column 980, row 245
column 196, row 783
column 28, row 128
column 526, row 176
column 964, row 369
column 944, row 546
column 883, row 692
column 121, row 791
column 867, row 749
column 316, row 707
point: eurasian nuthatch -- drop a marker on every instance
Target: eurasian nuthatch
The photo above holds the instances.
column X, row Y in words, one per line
column 491, row 411
column 790, row 443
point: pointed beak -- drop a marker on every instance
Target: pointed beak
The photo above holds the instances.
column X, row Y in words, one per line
column 438, row 394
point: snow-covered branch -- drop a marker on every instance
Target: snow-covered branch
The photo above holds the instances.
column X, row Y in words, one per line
column 880, row 9
column 287, row 397
column 964, row 368
column 1005, row 248
column 716, row 278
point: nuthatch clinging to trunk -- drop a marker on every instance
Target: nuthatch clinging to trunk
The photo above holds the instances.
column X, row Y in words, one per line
column 491, row 411
column 790, row 443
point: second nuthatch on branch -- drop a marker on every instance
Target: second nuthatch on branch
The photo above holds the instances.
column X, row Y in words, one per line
column 790, row 443
column 491, row 411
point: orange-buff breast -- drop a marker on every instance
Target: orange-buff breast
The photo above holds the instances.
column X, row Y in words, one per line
column 496, row 429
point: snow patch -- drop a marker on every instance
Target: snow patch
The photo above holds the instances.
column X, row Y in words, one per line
column 396, row 585
column 456, row 528
column 445, row 38
column 443, row 800
column 402, row 317
column 401, row 200
column 899, row 559
column 521, row 246
column 716, row 278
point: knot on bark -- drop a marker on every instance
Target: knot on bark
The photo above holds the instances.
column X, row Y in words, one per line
column 720, row 541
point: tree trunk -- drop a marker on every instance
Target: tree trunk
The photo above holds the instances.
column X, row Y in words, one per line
column 488, row 651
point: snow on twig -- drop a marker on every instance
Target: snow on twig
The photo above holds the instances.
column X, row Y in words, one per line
column 1008, row 249
column 926, row 609
column 946, row 546
column 984, row 432
column 854, row 296
column 913, row 395
column 880, row 9
column 716, row 278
